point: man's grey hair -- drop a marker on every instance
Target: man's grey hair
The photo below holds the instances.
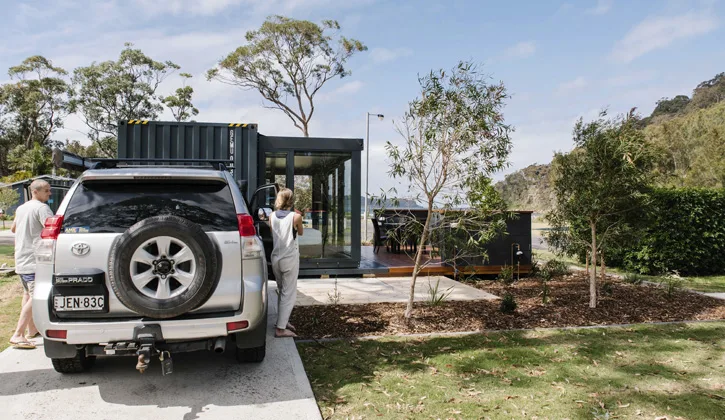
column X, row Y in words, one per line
column 38, row 185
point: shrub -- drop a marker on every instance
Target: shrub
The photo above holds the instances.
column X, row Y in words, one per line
column 607, row 289
column 685, row 232
column 507, row 274
column 633, row 278
column 556, row 268
column 672, row 283
column 508, row 304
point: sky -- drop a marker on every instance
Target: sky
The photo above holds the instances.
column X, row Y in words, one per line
column 559, row 60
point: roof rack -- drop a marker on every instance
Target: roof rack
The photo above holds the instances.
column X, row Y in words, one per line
column 67, row 160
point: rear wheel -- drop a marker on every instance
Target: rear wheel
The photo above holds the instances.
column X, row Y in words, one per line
column 78, row 364
column 253, row 355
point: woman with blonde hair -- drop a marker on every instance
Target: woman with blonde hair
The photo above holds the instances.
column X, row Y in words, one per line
column 286, row 225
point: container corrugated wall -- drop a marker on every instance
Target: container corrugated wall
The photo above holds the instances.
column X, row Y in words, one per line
column 189, row 140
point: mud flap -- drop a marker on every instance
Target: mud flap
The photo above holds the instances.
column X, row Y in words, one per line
column 58, row 349
column 255, row 337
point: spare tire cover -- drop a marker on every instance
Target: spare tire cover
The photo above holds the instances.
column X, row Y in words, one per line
column 163, row 267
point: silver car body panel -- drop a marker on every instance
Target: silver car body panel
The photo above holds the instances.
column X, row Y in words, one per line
column 241, row 294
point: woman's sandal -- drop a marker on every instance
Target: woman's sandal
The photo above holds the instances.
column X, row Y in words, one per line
column 291, row 327
column 23, row 345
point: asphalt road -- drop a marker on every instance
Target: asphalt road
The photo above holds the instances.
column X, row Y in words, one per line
column 204, row 385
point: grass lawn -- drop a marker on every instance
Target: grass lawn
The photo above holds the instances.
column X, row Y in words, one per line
column 643, row 372
column 10, row 296
column 701, row 284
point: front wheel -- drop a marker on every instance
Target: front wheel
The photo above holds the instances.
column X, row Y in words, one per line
column 78, row 364
column 252, row 355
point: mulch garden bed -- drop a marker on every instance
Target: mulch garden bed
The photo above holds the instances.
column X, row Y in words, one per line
column 568, row 306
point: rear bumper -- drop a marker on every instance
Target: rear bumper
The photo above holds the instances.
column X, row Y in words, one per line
column 254, row 309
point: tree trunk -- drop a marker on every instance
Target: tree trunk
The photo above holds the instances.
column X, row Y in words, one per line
column 418, row 257
column 305, row 132
column 593, row 275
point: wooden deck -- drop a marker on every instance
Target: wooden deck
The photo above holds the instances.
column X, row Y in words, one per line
column 402, row 264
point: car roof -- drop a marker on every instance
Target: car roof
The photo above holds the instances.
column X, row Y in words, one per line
column 150, row 172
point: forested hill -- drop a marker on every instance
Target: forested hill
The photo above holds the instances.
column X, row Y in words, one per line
column 687, row 134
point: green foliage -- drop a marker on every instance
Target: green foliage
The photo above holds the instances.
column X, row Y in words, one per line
column 436, row 297
column 17, row 176
column 112, row 91
column 528, row 189
column 685, row 232
column 607, row 289
column 289, row 59
column 455, row 138
column 506, row 275
column 709, row 92
column 556, row 268
column 508, row 304
column 36, row 161
column 8, row 198
column 600, row 188
column 633, row 278
column 690, row 148
column 180, row 103
column 672, row 283
column 32, row 106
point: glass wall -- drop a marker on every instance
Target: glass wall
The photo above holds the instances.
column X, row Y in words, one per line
column 322, row 185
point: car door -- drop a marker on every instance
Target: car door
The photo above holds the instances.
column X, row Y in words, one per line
column 261, row 207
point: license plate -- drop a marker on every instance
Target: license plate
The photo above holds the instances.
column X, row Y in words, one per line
column 78, row 303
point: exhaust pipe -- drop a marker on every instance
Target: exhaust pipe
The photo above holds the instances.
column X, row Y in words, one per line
column 220, row 344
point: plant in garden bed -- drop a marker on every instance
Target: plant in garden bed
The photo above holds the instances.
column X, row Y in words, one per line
column 633, row 278
column 506, row 275
column 508, row 304
column 436, row 297
column 334, row 296
column 672, row 283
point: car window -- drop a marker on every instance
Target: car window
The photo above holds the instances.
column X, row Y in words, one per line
column 114, row 206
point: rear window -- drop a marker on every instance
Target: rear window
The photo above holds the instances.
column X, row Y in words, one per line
column 114, row 206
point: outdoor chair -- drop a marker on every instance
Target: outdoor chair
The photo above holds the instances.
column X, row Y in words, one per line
column 380, row 238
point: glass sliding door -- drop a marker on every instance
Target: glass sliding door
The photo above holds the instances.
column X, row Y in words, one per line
column 322, row 185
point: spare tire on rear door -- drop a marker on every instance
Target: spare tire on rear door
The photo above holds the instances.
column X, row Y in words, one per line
column 163, row 267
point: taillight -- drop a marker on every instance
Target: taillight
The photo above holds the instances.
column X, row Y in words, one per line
column 251, row 247
column 61, row 334
column 246, row 225
column 236, row 326
column 52, row 227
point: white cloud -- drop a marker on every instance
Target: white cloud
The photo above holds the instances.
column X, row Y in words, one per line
column 343, row 92
column 382, row 55
column 572, row 85
column 213, row 7
column 521, row 50
column 655, row 33
column 602, row 7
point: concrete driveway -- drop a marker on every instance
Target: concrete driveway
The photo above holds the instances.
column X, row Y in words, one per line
column 203, row 386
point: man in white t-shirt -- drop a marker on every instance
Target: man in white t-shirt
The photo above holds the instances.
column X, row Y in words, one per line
column 29, row 222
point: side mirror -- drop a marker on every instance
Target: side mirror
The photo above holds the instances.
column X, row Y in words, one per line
column 264, row 213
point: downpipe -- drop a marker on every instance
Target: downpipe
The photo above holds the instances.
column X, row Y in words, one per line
column 220, row 344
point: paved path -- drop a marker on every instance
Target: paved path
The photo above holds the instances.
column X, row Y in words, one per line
column 7, row 237
column 387, row 289
column 203, row 386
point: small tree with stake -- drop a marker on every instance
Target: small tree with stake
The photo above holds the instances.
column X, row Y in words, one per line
column 600, row 189
column 454, row 139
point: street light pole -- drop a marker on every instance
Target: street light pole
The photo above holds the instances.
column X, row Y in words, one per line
column 367, row 166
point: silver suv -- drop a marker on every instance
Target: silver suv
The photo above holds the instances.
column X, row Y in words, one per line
column 149, row 261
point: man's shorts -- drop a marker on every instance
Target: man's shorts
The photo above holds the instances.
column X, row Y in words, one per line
column 28, row 281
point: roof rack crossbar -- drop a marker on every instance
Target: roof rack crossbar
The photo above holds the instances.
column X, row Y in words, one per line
column 67, row 160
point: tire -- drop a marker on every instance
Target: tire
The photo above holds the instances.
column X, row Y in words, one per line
column 253, row 355
column 78, row 364
column 147, row 242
